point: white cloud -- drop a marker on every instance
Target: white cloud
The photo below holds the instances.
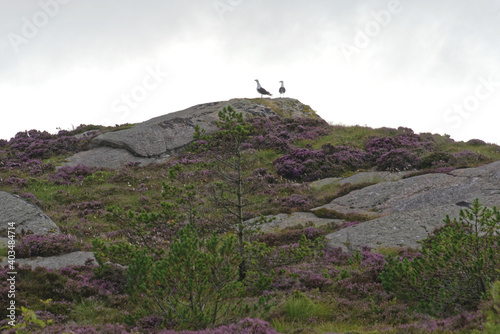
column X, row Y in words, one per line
column 427, row 59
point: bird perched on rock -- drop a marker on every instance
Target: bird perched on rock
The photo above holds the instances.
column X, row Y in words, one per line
column 282, row 88
column 261, row 90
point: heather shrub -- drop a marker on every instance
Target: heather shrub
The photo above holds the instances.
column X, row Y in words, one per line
column 150, row 322
column 350, row 158
column 114, row 274
column 33, row 166
column 372, row 263
column 262, row 174
column 244, row 326
column 397, row 160
column 46, row 245
column 60, row 287
column 35, row 285
column 264, row 260
column 74, row 329
column 437, row 159
column 376, row 147
column 469, row 159
column 70, row 175
column 31, row 198
column 400, row 152
column 303, row 278
column 476, row 142
column 16, row 182
column 29, row 146
column 379, row 146
column 279, row 133
column 457, row 264
column 270, row 141
column 295, row 201
column 307, row 165
column 88, row 208
column 467, row 322
column 87, row 282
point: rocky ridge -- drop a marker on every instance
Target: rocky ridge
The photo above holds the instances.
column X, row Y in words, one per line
column 158, row 138
column 404, row 211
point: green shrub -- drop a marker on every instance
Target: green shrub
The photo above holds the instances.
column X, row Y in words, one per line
column 439, row 159
column 194, row 284
column 457, row 264
column 492, row 326
column 29, row 323
column 301, row 307
column 93, row 312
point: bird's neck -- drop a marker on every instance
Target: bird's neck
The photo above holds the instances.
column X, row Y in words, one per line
column 282, row 84
column 258, row 85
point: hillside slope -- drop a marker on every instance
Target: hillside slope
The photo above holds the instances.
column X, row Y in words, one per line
column 333, row 190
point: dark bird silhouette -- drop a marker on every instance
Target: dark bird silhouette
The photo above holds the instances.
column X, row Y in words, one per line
column 282, row 88
column 261, row 90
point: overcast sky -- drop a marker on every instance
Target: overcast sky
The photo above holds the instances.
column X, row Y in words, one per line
column 433, row 66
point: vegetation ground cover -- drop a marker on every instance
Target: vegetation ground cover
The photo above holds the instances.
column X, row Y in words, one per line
column 293, row 283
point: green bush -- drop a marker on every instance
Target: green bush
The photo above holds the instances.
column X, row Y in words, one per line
column 194, row 284
column 301, row 307
column 440, row 159
column 29, row 323
column 492, row 326
column 456, row 267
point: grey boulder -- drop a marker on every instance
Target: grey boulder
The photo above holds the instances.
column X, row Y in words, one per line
column 57, row 262
column 163, row 136
column 407, row 211
column 24, row 216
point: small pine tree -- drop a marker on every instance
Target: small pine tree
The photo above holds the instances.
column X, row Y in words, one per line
column 195, row 283
column 456, row 267
column 231, row 194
